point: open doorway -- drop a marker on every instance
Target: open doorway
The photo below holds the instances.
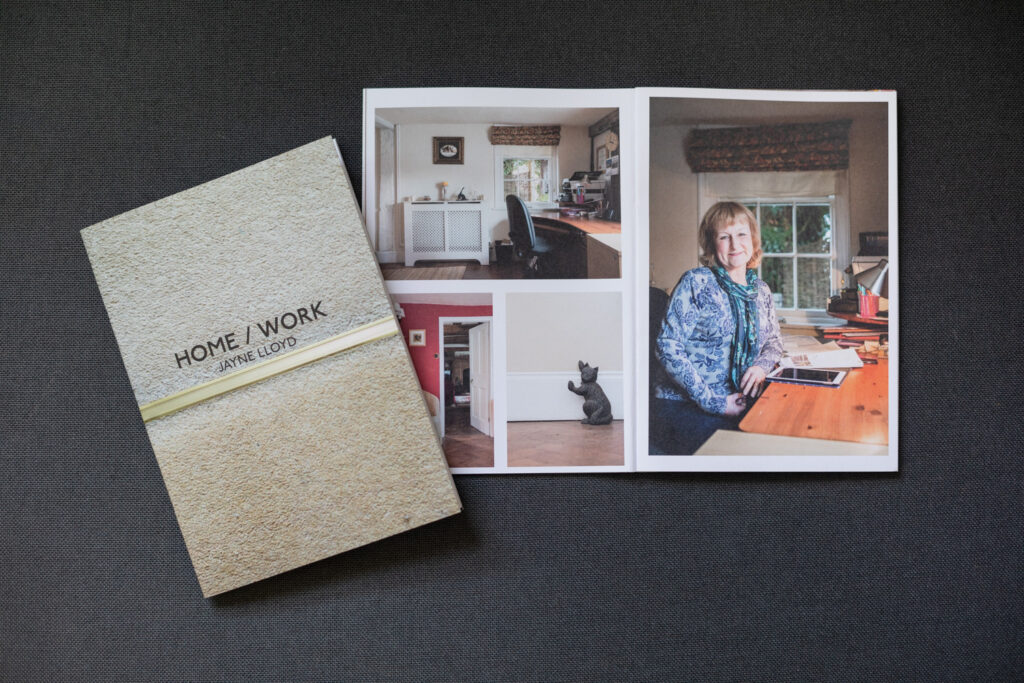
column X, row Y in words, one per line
column 467, row 405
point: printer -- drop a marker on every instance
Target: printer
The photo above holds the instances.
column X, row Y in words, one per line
column 584, row 187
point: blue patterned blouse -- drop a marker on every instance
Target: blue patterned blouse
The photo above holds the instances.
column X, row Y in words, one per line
column 695, row 343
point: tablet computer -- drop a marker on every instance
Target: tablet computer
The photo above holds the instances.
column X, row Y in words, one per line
column 818, row 378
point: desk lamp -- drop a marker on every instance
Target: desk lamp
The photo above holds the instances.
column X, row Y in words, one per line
column 869, row 286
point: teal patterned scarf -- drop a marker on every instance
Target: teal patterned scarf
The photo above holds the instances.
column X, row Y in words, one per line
column 743, row 300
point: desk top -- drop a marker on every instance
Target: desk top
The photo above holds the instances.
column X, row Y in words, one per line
column 731, row 442
column 593, row 226
column 857, row 411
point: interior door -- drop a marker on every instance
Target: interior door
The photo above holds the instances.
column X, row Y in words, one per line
column 386, row 236
column 480, row 378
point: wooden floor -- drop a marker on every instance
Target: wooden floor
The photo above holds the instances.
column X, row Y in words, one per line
column 564, row 443
column 465, row 446
column 451, row 270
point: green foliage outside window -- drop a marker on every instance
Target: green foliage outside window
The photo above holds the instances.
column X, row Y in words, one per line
column 527, row 179
column 790, row 234
column 777, row 228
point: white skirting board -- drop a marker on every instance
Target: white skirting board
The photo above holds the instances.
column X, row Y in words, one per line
column 537, row 396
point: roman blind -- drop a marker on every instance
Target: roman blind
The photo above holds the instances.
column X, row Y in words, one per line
column 525, row 135
column 789, row 147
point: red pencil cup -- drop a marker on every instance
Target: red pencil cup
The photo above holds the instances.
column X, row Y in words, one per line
column 868, row 304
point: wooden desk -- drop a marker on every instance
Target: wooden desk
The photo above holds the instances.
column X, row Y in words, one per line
column 731, row 442
column 584, row 255
column 593, row 226
column 857, row 411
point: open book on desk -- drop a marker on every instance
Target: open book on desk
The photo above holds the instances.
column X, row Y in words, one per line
column 830, row 360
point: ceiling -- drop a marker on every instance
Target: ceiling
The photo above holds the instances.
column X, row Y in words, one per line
column 667, row 111
column 457, row 334
column 495, row 115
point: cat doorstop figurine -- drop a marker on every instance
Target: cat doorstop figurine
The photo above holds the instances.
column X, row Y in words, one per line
column 596, row 405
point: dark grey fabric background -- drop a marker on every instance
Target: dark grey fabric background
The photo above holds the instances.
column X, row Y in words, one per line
column 106, row 106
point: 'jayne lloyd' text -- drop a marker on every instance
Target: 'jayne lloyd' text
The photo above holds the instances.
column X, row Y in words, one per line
column 252, row 356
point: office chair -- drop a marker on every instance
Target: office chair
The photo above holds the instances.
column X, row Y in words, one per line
column 535, row 251
column 658, row 306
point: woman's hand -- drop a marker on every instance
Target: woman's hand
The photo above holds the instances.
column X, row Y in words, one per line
column 753, row 381
column 735, row 404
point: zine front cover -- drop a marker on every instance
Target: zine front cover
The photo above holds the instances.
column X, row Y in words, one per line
column 244, row 273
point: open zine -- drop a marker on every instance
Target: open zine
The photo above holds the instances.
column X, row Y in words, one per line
column 600, row 280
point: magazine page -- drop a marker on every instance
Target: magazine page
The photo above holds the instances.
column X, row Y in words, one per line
column 767, row 233
column 504, row 224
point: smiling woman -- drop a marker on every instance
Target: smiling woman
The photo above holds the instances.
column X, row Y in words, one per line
column 734, row 247
column 719, row 339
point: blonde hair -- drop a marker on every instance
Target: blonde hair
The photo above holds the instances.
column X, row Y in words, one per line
column 719, row 216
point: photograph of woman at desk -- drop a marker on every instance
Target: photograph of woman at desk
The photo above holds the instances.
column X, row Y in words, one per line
column 770, row 231
column 719, row 338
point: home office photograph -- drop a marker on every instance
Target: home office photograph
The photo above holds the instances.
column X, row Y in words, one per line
column 495, row 185
column 523, row 381
column 450, row 343
column 565, row 380
column 770, row 227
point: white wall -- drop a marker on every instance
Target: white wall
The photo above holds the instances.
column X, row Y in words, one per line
column 869, row 179
column 573, row 152
column 418, row 175
column 544, row 396
column 673, row 213
column 552, row 331
column 547, row 335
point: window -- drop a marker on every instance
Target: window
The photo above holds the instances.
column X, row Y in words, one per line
column 529, row 172
column 529, row 178
column 798, row 241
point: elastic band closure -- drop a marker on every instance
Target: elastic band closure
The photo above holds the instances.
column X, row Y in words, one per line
column 385, row 327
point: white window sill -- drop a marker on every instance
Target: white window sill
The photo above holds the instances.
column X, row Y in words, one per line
column 806, row 319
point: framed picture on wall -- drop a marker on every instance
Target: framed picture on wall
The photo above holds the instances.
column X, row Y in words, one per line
column 417, row 337
column 449, row 150
column 600, row 156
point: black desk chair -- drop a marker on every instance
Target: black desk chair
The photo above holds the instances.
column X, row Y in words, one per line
column 659, row 300
column 537, row 252
column 658, row 306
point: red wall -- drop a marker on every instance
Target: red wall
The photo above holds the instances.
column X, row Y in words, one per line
column 425, row 317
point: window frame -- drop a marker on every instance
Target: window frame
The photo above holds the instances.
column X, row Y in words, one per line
column 547, row 153
column 835, row 273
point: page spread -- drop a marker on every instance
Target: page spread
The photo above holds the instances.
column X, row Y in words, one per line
column 601, row 280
